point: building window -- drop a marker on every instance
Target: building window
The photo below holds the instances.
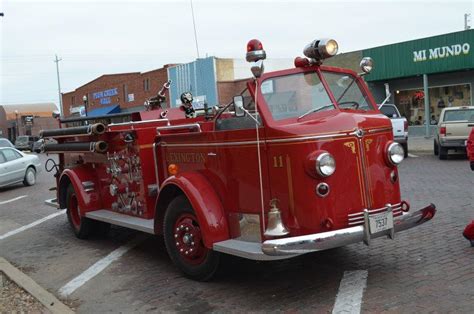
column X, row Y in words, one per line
column 73, row 100
column 146, row 85
column 125, row 93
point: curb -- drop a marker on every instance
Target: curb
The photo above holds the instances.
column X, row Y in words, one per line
column 25, row 282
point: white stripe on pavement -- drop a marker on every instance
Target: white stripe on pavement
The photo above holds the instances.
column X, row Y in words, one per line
column 31, row 225
column 99, row 266
column 351, row 290
column 12, row 200
column 413, row 156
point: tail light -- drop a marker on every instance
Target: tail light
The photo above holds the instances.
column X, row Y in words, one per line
column 405, row 126
column 442, row 131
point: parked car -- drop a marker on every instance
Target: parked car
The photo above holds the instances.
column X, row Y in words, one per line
column 5, row 143
column 25, row 142
column 39, row 143
column 454, row 126
column 399, row 125
column 16, row 167
column 470, row 149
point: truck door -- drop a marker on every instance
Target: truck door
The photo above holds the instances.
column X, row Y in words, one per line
column 236, row 169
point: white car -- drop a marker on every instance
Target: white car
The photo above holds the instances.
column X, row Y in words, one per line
column 16, row 167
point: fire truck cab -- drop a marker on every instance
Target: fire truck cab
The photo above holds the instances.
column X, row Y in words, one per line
column 301, row 161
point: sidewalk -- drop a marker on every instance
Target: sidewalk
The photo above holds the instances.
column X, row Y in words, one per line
column 420, row 144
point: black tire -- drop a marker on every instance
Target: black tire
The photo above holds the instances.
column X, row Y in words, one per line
column 443, row 152
column 435, row 148
column 405, row 149
column 30, row 177
column 202, row 263
column 81, row 226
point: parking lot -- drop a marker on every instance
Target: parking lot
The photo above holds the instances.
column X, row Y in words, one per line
column 429, row 268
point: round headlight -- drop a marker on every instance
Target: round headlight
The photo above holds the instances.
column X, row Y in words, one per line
column 325, row 165
column 395, row 153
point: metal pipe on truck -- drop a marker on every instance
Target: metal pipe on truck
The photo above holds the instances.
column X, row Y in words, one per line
column 77, row 147
column 93, row 129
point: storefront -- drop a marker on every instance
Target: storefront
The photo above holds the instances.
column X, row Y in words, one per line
column 424, row 76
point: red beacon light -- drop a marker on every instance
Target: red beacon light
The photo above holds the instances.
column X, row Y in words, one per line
column 255, row 51
column 302, row 62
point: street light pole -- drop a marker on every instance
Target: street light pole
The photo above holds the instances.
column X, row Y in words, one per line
column 86, row 102
column 17, row 133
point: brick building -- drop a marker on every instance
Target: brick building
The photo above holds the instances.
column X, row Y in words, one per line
column 112, row 93
column 26, row 119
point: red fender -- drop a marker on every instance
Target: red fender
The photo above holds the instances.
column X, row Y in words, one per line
column 206, row 204
column 88, row 201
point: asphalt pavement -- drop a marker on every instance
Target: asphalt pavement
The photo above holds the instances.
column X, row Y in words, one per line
column 426, row 269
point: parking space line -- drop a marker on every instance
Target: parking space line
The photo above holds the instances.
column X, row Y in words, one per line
column 412, row 155
column 351, row 291
column 99, row 266
column 31, row 225
column 13, row 199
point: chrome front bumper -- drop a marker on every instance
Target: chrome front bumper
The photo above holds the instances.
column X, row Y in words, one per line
column 332, row 239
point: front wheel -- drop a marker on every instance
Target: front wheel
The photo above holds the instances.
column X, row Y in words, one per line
column 184, row 242
column 405, row 149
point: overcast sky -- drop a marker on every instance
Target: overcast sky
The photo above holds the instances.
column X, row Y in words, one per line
column 99, row 37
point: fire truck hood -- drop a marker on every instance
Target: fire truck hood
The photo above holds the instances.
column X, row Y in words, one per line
column 336, row 123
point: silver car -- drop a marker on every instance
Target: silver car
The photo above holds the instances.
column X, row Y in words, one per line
column 16, row 167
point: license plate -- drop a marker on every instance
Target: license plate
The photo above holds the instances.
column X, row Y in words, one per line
column 380, row 222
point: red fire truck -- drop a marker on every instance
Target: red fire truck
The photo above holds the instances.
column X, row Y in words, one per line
column 300, row 161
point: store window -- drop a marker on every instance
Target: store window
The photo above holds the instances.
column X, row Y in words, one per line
column 411, row 103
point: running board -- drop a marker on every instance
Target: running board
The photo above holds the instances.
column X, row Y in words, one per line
column 245, row 249
column 140, row 224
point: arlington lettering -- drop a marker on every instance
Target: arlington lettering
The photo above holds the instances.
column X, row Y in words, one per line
column 185, row 157
column 441, row 52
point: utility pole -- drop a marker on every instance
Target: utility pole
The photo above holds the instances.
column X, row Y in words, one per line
column 467, row 19
column 195, row 33
column 59, row 85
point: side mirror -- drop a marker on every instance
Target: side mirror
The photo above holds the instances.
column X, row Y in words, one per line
column 239, row 106
column 56, row 114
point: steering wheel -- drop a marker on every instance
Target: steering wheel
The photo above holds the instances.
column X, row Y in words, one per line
column 353, row 104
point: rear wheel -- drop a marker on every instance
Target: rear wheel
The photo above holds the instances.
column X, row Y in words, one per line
column 30, row 177
column 405, row 149
column 443, row 152
column 184, row 242
column 81, row 226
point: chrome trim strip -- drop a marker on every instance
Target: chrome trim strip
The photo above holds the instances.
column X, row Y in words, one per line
column 139, row 122
column 191, row 126
column 332, row 239
column 155, row 159
column 395, row 206
column 372, row 131
column 278, row 140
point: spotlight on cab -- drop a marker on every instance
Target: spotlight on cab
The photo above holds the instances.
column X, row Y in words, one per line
column 366, row 65
column 320, row 49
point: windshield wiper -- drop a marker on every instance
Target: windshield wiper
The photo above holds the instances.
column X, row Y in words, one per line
column 314, row 110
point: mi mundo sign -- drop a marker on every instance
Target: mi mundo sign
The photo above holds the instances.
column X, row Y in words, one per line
column 441, row 52
column 438, row 54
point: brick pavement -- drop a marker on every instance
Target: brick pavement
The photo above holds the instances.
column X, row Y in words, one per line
column 426, row 269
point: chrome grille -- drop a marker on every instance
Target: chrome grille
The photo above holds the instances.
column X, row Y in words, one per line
column 358, row 218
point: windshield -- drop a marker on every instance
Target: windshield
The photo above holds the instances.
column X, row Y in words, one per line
column 459, row 115
column 22, row 139
column 295, row 95
column 346, row 91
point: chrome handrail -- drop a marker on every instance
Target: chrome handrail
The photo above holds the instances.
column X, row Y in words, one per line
column 192, row 126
